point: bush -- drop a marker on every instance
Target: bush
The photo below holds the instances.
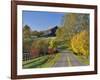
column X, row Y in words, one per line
column 41, row 46
column 52, row 46
column 80, row 43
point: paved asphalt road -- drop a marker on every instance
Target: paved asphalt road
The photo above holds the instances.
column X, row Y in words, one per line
column 68, row 59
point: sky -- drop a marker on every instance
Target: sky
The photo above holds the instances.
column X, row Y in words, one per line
column 39, row 20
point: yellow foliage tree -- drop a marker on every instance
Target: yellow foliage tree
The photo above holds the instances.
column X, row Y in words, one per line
column 80, row 43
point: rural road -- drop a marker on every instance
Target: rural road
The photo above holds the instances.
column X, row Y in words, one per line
column 68, row 59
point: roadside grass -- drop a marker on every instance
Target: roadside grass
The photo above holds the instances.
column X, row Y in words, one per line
column 51, row 61
column 36, row 62
column 32, row 60
column 82, row 59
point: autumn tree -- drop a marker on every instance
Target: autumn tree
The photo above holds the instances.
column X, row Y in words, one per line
column 41, row 46
column 80, row 43
column 73, row 23
column 52, row 46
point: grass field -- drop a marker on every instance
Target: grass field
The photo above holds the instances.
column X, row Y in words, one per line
column 35, row 62
column 41, row 62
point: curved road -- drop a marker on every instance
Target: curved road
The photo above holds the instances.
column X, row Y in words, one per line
column 68, row 59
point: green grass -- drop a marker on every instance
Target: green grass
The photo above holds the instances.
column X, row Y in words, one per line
column 36, row 62
column 32, row 60
column 51, row 61
column 82, row 59
column 42, row 62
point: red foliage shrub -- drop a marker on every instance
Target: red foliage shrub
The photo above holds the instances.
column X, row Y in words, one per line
column 51, row 50
column 34, row 53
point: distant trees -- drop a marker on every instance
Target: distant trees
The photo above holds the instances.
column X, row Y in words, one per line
column 26, row 38
column 26, row 31
column 36, row 33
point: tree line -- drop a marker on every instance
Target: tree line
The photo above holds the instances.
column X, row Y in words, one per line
column 74, row 31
